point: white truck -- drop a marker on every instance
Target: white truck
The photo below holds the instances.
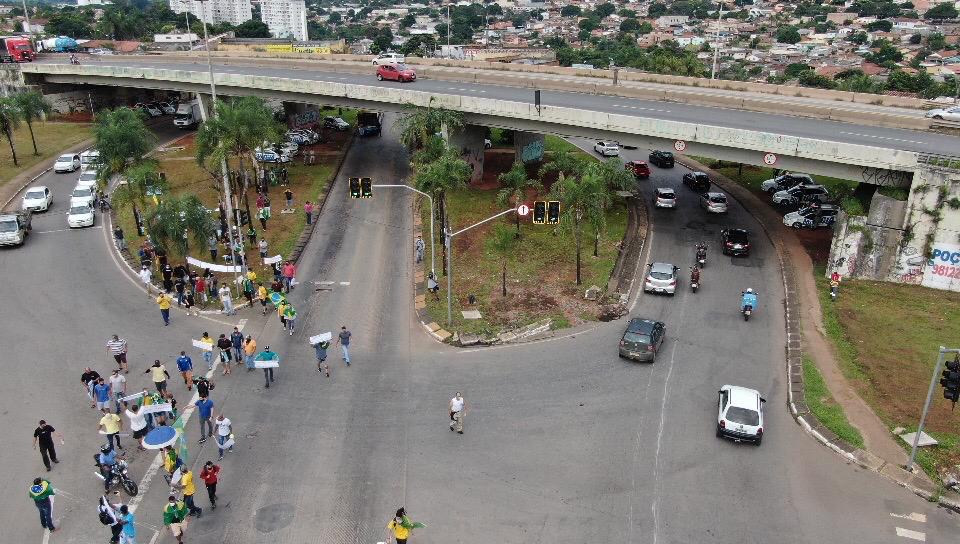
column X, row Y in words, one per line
column 188, row 115
column 14, row 227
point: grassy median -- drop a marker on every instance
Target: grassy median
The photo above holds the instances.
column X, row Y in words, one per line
column 824, row 408
column 52, row 138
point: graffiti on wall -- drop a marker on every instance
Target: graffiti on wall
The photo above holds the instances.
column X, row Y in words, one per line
column 910, row 266
column 875, row 176
column 532, row 152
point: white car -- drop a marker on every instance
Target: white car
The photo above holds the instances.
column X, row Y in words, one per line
column 714, row 202
column 389, row 58
column 269, row 155
column 88, row 159
column 82, row 195
column 784, row 182
column 149, row 109
column 37, row 199
column 662, row 278
column 168, row 108
column 947, row 114
column 665, row 198
column 67, row 163
column 287, row 148
column 87, row 177
column 80, row 215
column 740, row 414
column 607, row 149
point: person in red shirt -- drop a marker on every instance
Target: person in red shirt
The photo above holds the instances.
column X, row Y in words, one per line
column 209, row 475
column 289, row 271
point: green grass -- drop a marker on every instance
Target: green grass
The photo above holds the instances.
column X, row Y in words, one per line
column 846, row 351
column 52, row 138
column 552, row 144
column 822, row 405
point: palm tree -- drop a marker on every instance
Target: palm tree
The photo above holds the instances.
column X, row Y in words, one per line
column 446, row 173
column 581, row 199
column 616, row 178
column 122, row 139
column 32, row 107
column 140, row 180
column 9, row 121
column 563, row 162
column 502, row 243
column 416, row 127
column 515, row 184
column 177, row 220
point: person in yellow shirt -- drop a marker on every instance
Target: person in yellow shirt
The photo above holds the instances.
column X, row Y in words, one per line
column 263, row 297
column 189, row 488
column 110, row 425
column 158, row 373
column 249, row 350
column 164, row 301
column 401, row 526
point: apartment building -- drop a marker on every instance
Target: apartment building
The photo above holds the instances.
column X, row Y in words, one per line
column 285, row 18
column 234, row 12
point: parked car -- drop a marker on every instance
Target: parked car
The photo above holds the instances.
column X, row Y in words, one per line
column 947, row 114
column 639, row 168
column 808, row 217
column 698, row 181
column 740, row 414
column 80, row 215
column 67, row 163
column 714, row 202
column 785, row 181
column 642, row 339
column 303, row 136
column 735, row 242
column 661, row 278
column 87, row 178
column 607, row 149
column 389, row 58
column 663, row 159
column 336, row 123
column 665, row 197
column 151, row 111
column 269, row 155
column 167, row 108
column 37, row 199
column 287, row 148
column 800, row 194
column 396, row 72
column 82, row 195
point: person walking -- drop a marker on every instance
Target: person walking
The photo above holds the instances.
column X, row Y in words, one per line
column 89, row 379
column 118, row 239
column 210, row 475
column 401, row 526
column 138, row 424
column 225, row 299
column 262, row 245
column 163, row 302
column 43, row 438
column 110, row 515
column 201, row 290
column 288, row 195
column 249, row 289
column 236, row 340
column 457, row 411
column 166, row 272
column 203, row 386
column 263, row 296
column 118, row 348
column 205, row 410
column 267, row 355
column 146, row 277
column 419, row 246
column 111, row 425
column 343, row 339
column 207, row 352
column 190, row 303
column 225, row 347
column 159, row 375
column 224, row 430
column 174, row 514
column 128, row 534
column 290, row 316
column 308, row 210
column 320, row 348
column 189, row 489
column 185, row 366
column 101, row 394
column 289, row 272
column 212, row 245
column 263, row 214
column 42, row 493
column 180, row 288
column 118, row 388
column 249, row 350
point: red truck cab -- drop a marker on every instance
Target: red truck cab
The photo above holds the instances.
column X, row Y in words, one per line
column 16, row 49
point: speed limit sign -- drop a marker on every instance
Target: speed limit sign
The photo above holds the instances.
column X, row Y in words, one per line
column 770, row 159
column 679, row 145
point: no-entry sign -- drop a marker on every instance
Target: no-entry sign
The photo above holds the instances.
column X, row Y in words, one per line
column 770, row 159
column 523, row 210
column 679, row 145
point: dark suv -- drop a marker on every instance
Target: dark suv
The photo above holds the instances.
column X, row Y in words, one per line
column 735, row 242
column 698, row 181
column 642, row 339
column 663, row 159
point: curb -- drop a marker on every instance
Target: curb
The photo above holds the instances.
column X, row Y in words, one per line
column 794, row 361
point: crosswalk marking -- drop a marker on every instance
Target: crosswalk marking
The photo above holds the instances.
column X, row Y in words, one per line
column 912, row 516
column 912, row 535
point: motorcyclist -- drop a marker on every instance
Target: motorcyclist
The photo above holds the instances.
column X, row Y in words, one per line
column 106, row 460
column 695, row 274
column 749, row 298
column 74, row 59
column 701, row 251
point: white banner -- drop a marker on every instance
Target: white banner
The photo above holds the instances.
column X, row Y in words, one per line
column 175, row 478
column 229, row 443
column 214, row 267
column 266, row 364
column 322, row 337
column 154, row 408
column 202, row 345
column 134, row 396
column 274, row 259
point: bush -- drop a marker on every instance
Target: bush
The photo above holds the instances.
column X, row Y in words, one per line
column 852, row 206
column 896, row 193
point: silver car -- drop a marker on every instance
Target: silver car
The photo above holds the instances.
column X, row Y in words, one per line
column 665, row 198
column 714, row 202
column 947, row 114
column 661, row 278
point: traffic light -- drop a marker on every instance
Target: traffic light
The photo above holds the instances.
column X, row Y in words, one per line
column 553, row 212
column 539, row 212
column 951, row 381
column 355, row 188
column 366, row 188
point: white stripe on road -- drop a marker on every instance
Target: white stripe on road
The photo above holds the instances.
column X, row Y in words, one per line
column 344, row 283
column 912, row 535
column 640, row 108
column 913, row 516
column 62, row 230
column 881, row 137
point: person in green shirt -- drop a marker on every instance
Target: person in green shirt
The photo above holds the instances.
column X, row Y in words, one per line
column 174, row 512
column 42, row 494
column 267, row 355
column 290, row 317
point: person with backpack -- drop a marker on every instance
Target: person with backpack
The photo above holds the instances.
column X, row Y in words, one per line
column 109, row 514
column 174, row 514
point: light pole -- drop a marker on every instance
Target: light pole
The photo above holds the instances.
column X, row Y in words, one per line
column 447, row 241
column 432, row 250
column 716, row 44
column 26, row 16
column 926, row 407
column 448, row 27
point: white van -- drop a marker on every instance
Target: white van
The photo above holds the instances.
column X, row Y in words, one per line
column 88, row 159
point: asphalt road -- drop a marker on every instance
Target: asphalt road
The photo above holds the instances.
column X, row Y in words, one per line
column 886, row 138
column 564, row 441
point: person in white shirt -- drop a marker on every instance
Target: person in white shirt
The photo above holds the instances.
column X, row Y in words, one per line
column 118, row 385
column 224, row 293
column 224, row 429
column 457, row 410
column 138, row 424
column 146, row 276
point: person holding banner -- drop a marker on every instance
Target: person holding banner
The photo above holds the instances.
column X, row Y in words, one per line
column 267, row 360
column 207, row 349
column 138, row 424
column 321, row 350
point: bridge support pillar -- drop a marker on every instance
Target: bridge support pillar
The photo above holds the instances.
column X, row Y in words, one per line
column 469, row 142
column 528, row 146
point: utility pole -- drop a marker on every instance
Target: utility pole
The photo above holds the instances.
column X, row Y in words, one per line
column 716, row 44
column 26, row 15
column 448, row 28
column 926, row 407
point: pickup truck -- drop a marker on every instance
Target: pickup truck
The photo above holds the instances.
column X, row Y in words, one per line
column 14, row 227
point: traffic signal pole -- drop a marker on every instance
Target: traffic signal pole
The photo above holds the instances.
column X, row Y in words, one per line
column 432, row 250
column 926, row 407
column 447, row 241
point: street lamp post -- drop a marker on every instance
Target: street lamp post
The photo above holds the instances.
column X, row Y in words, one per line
column 926, row 407
column 716, row 44
column 26, row 16
column 432, row 250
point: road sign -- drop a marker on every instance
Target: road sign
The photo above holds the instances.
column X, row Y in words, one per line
column 523, row 210
column 770, row 159
column 679, row 145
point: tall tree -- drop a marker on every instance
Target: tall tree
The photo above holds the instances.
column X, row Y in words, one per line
column 178, row 220
column 418, row 125
column 514, row 185
column 562, row 162
column 446, row 173
column 32, row 107
column 140, row 181
column 580, row 200
column 9, row 121
column 502, row 242
column 122, row 139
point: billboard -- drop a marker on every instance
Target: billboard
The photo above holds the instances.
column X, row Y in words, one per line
column 943, row 268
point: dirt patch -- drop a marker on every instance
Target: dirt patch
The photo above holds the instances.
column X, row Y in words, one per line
column 74, row 117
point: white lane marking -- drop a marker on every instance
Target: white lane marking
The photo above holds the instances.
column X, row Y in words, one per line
column 912, row 516
column 324, row 282
column 882, row 138
column 344, row 283
column 641, row 108
column 63, row 230
column 912, row 535
column 156, row 536
column 655, row 506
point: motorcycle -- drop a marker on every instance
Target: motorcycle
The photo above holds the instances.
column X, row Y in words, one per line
column 74, row 60
column 748, row 304
column 117, row 473
column 694, row 279
column 701, row 255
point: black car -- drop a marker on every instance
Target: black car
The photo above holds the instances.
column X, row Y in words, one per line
column 735, row 242
column 698, row 181
column 663, row 159
column 642, row 339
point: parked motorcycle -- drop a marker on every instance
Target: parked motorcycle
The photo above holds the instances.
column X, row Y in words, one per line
column 119, row 478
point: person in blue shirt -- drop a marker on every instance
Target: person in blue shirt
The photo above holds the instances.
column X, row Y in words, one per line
column 205, row 408
column 185, row 366
column 267, row 355
column 107, row 458
column 129, row 533
column 749, row 297
column 102, row 394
